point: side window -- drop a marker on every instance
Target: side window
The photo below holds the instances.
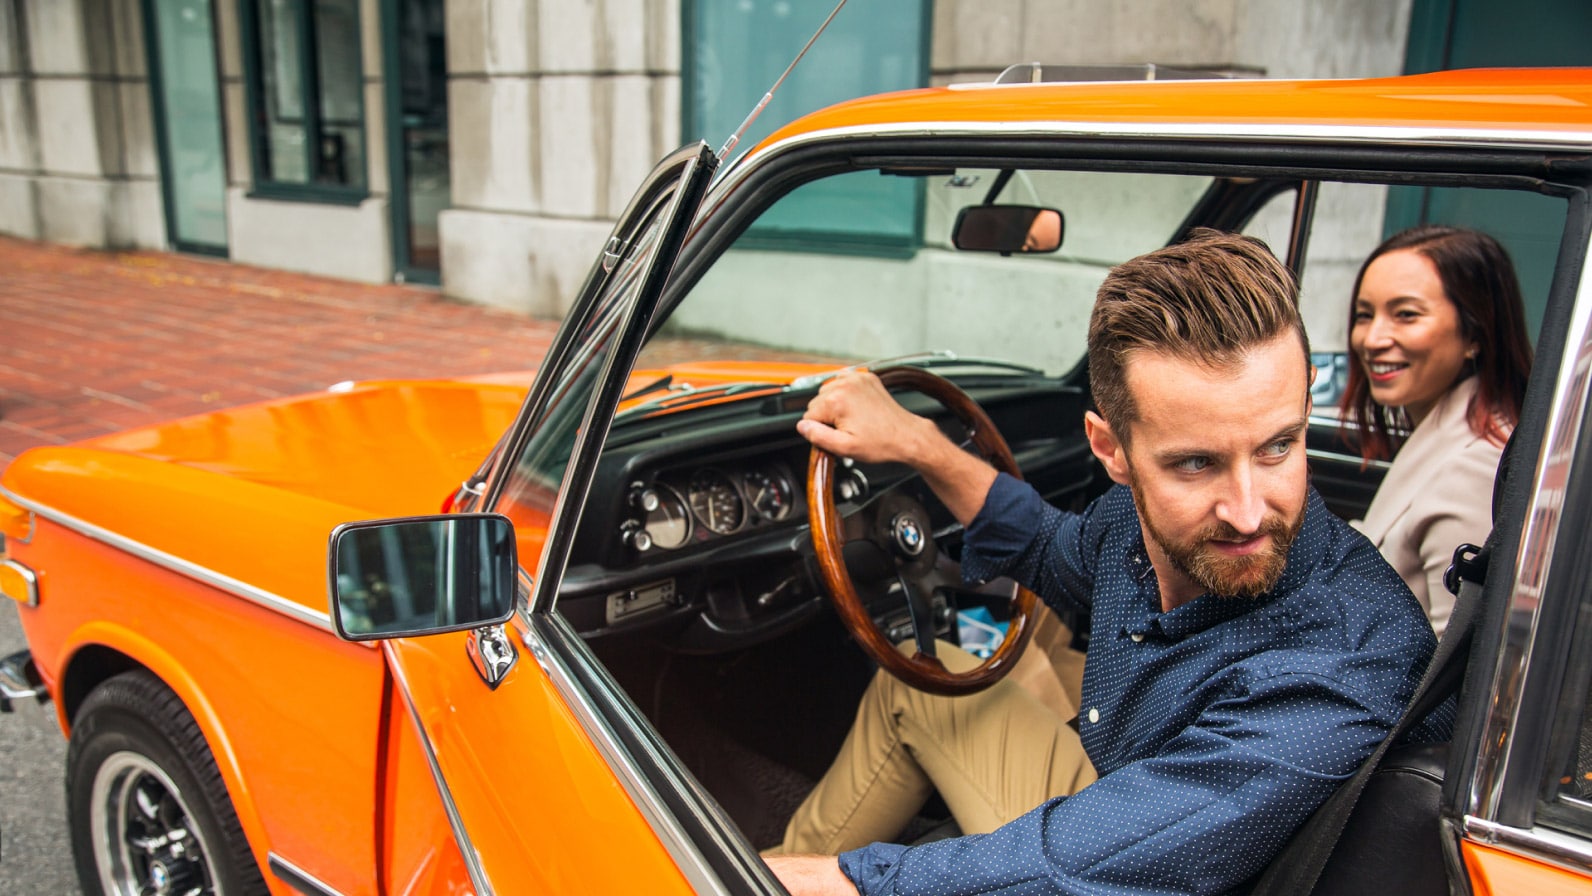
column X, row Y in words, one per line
column 537, row 477
column 302, row 69
column 734, row 51
column 1567, row 792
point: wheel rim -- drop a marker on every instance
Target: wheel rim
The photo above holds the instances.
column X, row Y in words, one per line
column 145, row 842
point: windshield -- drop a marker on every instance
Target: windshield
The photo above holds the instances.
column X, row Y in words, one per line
column 800, row 288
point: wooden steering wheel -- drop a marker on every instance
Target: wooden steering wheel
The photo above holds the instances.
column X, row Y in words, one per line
column 891, row 532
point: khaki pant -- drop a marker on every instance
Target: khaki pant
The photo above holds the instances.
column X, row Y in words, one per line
column 993, row 755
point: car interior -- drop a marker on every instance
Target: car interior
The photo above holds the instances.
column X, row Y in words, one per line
column 693, row 577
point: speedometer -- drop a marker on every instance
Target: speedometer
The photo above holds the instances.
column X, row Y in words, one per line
column 715, row 501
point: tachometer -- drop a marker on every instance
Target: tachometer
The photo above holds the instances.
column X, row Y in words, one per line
column 715, row 501
column 770, row 492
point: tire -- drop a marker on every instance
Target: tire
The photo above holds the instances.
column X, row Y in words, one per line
column 146, row 805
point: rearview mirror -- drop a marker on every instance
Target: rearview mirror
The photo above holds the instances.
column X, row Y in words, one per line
column 422, row 575
column 1006, row 229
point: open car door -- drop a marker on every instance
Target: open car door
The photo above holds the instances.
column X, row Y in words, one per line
column 528, row 784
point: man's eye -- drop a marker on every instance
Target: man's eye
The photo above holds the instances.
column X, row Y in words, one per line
column 1192, row 464
column 1278, row 448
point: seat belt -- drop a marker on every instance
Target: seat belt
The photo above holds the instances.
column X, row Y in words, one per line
column 1298, row 867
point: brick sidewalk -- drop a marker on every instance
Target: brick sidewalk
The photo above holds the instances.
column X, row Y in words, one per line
column 92, row 342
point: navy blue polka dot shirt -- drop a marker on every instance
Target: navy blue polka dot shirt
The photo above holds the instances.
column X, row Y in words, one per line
column 1217, row 728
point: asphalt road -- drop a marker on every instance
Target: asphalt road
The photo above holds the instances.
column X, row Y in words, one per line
column 35, row 855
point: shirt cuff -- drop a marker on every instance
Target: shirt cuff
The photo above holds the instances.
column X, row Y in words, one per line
column 1002, row 529
column 873, row 868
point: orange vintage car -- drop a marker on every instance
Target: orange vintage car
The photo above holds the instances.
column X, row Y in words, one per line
column 576, row 635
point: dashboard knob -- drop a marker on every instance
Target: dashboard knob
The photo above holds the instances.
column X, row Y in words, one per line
column 634, row 535
column 647, row 499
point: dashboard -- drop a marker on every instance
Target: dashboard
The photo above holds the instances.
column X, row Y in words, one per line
column 700, row 536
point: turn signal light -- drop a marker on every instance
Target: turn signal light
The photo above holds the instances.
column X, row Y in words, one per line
column 16, row 524
column 19, row 583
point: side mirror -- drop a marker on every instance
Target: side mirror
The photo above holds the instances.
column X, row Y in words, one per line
column 1024, row 229
column 422, row 575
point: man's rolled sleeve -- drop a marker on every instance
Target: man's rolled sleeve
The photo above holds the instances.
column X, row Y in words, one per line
column 1017, row 534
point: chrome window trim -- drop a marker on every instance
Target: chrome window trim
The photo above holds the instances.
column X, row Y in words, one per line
column 1538, row 537
column 298, row 878
column 1381, row 136
column 259, row 596
column 461, row 836
column 1340, row 457
column 676, row 841
column 1538, row 844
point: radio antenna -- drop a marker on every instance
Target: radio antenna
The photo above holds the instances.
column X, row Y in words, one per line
column 758, row 109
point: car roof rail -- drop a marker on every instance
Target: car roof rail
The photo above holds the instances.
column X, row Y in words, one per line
column 1039, row 72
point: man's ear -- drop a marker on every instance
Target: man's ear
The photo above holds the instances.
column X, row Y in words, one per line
column 1106, row 446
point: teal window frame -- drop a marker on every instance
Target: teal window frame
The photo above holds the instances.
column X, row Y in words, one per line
column 264, row 183
column 701, row 72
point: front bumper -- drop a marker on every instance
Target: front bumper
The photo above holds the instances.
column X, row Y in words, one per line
column 19, row 680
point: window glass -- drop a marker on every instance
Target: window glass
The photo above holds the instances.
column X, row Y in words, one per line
column 306, row 93
column 537, row 476
column 1567, row 791
column 1026, row 309
column 735, row 50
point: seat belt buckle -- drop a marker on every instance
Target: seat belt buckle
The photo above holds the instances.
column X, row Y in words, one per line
column 1469, row 565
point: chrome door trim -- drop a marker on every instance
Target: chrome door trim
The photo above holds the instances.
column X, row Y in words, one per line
column 298, row 878
column 1538, row 538
column 1538, row 844
column 461, row 836
column 220, row 581
column 676, row 841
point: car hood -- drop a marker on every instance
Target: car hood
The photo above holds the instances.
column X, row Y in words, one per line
column 250, row 494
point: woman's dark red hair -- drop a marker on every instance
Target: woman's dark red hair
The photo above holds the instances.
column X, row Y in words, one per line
column 1479, row 278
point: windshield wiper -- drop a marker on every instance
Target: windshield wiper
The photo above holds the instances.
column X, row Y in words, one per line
column 684, row 395
column 926, row 360
column 662, row 382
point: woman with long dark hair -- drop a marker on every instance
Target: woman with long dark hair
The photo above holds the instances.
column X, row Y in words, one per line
column 1438, row 336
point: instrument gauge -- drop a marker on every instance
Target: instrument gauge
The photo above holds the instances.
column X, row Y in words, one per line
column 668, row 522
column 770, row 492
column 716, row 502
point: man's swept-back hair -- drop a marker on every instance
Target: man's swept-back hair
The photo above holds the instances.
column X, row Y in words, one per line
column 1210, row 299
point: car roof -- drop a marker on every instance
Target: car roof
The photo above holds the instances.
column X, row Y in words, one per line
column 1553, row 103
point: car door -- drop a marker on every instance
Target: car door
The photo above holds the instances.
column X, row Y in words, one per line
column 532, row 789
column 1518, row 793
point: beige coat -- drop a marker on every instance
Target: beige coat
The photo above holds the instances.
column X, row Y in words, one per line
column 1437, row 496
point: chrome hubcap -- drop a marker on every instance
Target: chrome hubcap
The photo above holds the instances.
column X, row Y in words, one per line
column 144, row 842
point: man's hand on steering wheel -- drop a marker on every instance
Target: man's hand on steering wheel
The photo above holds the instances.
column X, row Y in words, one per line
column 855, row 416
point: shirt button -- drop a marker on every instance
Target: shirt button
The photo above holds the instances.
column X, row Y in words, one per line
column 1137, row 637
column 1094, row 715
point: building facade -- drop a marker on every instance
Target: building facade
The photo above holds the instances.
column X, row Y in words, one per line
column 488, row 145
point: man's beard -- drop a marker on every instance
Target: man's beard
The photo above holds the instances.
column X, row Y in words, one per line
column 1248, row 576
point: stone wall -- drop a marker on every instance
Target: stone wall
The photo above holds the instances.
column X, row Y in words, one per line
column 77, row 148
column 557, row 111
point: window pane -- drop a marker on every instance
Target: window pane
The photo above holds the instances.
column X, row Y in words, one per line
column 282, row 143
column 737, row 49
column 1031, row 310
column 342, row 150
column 309, row 106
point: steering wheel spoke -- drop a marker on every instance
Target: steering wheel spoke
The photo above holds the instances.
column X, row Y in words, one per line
column 897, row 530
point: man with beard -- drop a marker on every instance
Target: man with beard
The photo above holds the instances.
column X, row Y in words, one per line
column 1248, row 649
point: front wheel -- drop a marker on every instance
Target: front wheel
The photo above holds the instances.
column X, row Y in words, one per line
column 148, row 811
